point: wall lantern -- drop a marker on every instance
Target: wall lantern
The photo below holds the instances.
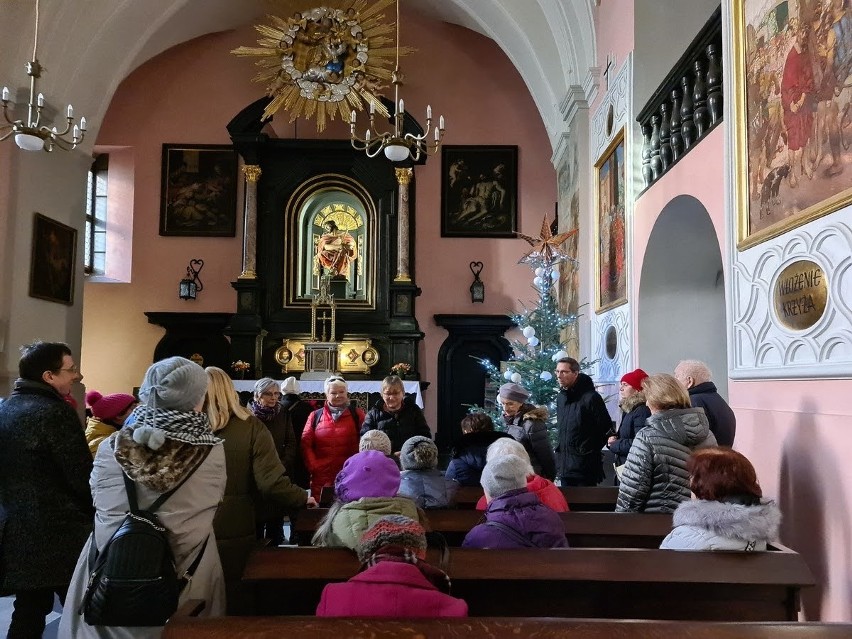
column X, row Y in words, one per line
column 477, row 289
column 191, row 285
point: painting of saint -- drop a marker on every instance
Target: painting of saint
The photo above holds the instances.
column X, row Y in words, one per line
column 794, row 112
column 611, row 228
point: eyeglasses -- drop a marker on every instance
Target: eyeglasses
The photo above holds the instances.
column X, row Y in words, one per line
column 270, row 394
column 71, row 369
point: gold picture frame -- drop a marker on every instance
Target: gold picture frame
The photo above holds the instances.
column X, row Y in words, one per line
column 610, row 227
column 789, row 123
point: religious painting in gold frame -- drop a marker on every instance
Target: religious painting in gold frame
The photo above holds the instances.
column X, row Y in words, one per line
column 793, row 114
column 610, row 227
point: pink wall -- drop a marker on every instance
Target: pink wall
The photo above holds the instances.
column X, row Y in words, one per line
column 613, row 36
column 793, row 431
column 190, row 92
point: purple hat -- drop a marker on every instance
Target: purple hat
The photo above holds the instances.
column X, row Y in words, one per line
column 367, row 474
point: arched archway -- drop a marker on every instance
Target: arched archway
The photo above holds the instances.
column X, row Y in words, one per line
column 681, row 304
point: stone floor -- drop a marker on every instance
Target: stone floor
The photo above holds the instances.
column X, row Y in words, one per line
column 6, row 606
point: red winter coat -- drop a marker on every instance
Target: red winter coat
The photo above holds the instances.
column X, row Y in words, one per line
column 388, row 589
column 329, row 444
column 547, row 492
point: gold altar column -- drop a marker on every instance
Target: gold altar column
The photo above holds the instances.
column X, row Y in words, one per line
column 403, row 178
column 252, row 173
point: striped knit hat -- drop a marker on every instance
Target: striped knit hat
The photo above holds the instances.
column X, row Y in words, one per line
column 392, row 530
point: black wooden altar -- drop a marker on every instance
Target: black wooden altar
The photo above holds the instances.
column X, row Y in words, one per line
column 276, row 304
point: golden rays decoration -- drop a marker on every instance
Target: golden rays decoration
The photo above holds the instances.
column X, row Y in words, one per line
column 546, row 249
column 327, row 60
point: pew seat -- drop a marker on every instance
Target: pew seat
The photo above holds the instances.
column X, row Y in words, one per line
column 615, row 583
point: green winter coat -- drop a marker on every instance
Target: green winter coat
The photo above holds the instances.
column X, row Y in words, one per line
column 356, row 517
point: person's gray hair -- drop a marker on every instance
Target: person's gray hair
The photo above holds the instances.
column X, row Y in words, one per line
column 507, row 446
column 503, row 474
column 262, row 384
column 696, row 369
column 334, row 380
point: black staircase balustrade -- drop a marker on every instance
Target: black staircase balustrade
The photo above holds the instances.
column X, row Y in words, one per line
column 686, row 105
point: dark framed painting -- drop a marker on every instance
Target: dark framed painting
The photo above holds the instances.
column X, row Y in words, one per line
column 199, row 190
column 53, row 260
column 610, row 228
column 479, row 191
column 793, row 123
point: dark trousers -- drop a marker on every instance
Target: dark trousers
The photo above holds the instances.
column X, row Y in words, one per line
column 31, row 608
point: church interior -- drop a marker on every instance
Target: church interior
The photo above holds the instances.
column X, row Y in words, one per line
column 706, row 236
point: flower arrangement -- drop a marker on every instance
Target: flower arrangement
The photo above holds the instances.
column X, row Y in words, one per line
column 240, row 367
column 400, row 369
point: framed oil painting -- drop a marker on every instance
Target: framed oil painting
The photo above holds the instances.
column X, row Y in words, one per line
column 793, row 113
column 198, row 191
column 53, row 260
column 479, row 191
column 610, row 228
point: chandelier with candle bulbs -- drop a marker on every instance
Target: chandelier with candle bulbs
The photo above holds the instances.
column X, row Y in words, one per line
column 31, row 134
column 397, row 145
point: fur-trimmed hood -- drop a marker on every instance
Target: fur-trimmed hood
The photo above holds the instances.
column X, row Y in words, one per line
column 758, row 522
column 161, row 469
column 532, row 412
column 629, row 403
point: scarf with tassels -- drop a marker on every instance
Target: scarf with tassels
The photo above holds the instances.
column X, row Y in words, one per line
column 264, row 413
column 400, row 554
column 151, row 427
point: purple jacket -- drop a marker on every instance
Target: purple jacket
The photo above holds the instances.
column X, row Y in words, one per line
column 522, row 511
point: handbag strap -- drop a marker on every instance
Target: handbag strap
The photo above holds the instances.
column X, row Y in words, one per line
column 511, row 532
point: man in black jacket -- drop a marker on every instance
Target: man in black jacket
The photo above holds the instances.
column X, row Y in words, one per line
column 44, row 478
column 696, row 377
column 583, row 422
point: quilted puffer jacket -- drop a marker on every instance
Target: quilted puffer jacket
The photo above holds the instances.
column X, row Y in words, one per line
column 529, row 426
column 655, row 478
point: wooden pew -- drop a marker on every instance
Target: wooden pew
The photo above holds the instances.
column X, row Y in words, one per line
column 583, row 529
column 189, row 627
column 578, row 582
column 584, row 498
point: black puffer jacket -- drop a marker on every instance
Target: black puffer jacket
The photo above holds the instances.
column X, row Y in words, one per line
column 583, row 423
column 723, row 422
column 44, row 489
column 632, row 421
column 405, row 424
column 529, row 427
column 469, row 456
column 655, row 478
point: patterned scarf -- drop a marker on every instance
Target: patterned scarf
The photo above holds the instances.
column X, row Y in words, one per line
column 183, row 426
column 400, row 554
column 264, row 413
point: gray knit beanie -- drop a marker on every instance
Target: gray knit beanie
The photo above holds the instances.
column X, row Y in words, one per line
column 174, row 383
column 375, row 440
column 503, row 474
column 290, row 386
column 514, row 393
column 419, row 453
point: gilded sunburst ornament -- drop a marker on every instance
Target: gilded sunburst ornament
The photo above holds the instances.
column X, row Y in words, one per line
column 326, row 60
column 546, row 249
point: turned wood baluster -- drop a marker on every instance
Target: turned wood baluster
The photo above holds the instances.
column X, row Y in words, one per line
column 656, row 162
column 665, row 137
column 677, row 140
column 714, row 84
column 647, row 173
column 687, row 129
column 699, row 98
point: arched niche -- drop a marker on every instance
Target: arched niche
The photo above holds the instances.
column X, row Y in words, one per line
column 330, row 215
column 681, row 304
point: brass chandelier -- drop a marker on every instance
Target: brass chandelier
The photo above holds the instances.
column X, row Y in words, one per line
column 396, row 145
column 32, row 135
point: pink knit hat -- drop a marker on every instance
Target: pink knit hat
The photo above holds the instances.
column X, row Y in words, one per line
column 108, row 406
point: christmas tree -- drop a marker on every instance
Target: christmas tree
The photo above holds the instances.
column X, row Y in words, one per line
column 533, row 357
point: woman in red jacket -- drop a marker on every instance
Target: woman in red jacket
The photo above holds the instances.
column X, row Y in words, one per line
column 395, row 580
column 330, row 435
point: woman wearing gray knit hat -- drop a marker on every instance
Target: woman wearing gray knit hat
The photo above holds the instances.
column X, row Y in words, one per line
column 164, row 444
column 420, row 478
column 527, row 424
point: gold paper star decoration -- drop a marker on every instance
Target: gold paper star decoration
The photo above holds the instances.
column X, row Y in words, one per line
column 547, row 247
column 325, row 60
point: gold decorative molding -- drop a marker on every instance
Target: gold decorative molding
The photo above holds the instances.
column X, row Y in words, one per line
column 248, row 275
column 402, row 277
column 403, row 176
column 252, row 172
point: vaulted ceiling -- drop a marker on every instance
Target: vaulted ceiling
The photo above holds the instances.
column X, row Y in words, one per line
column 89, row 47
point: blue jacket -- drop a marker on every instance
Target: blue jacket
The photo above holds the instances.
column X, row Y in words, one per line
column 469, row 456
column 521, row 511
column 723, row 422
column 632, row 421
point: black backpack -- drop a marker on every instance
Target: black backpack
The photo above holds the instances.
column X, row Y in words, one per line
column 134, row 581
column 315, row 416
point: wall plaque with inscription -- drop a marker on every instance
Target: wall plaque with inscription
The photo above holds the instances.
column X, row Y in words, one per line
column 800, row 294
